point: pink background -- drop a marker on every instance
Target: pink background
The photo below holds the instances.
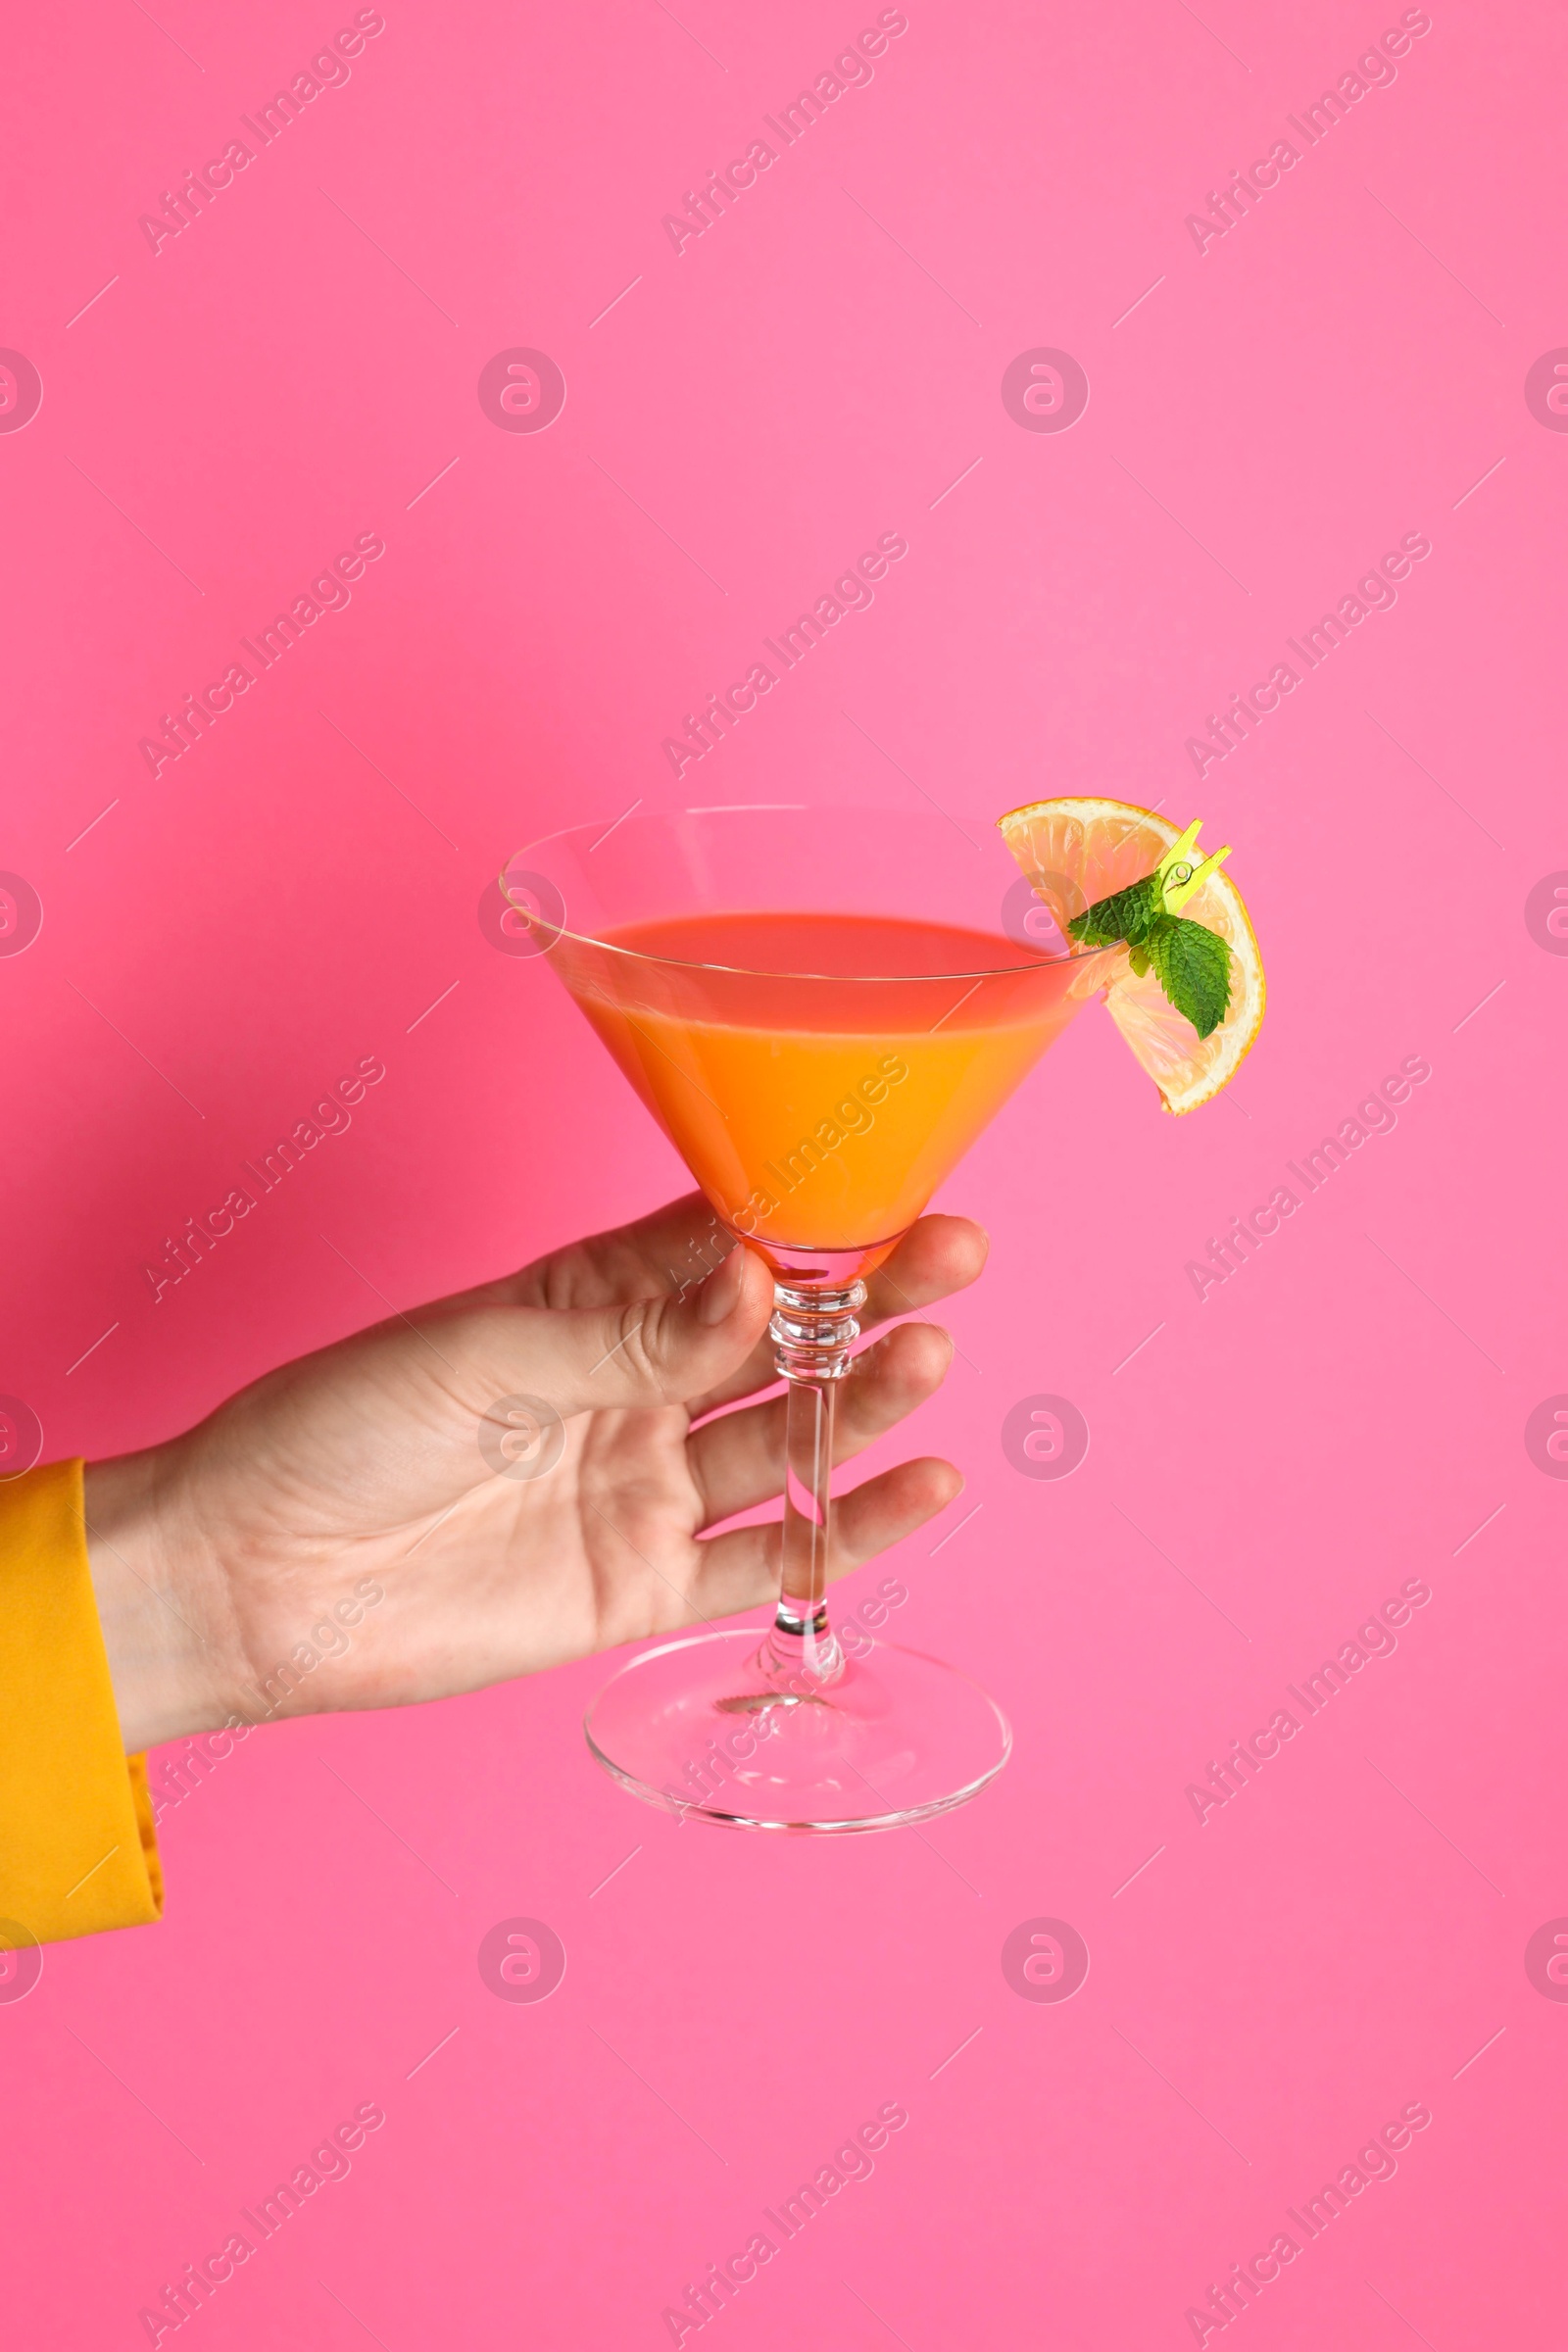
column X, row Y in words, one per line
column 298, row 366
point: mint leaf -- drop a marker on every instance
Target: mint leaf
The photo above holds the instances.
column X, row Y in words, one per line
column 1192, row 964
column 1127, row 914
column 1193, row 967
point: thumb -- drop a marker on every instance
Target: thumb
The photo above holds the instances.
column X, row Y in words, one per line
column 648, row 1352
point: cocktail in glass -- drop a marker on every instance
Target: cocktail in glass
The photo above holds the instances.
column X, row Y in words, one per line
column 823, row 1010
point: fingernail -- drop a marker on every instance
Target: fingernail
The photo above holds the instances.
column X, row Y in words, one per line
column 718, row 1294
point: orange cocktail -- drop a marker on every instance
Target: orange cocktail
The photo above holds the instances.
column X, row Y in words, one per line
column 823, row 1008
column 820, row 1074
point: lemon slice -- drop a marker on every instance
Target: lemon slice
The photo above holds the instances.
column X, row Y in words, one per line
column 1078, row 851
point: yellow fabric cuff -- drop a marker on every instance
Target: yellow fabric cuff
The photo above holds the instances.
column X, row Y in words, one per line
column 77, row 1848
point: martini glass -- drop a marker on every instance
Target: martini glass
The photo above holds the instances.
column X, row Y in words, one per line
column 822, row 1010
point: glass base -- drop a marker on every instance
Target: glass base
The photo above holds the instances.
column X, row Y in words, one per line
column 703, row 1727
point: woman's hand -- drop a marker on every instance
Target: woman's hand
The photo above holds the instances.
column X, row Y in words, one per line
column 495, row 1484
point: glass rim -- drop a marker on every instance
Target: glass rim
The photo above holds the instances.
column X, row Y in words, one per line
column 609, row 947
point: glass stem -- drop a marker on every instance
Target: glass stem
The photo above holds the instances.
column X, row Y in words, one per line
column 812, row 1331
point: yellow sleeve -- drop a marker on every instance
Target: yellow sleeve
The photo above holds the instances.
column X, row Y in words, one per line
column 78, row 1849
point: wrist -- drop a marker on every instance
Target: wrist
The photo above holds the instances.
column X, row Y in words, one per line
column 162, row 1600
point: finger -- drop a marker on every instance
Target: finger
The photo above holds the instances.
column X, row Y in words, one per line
column 937, row 1256
column 651, row 1351
column 738, row 1461
column 740, row 1570
column 671, row 1250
